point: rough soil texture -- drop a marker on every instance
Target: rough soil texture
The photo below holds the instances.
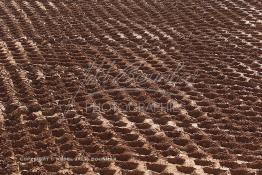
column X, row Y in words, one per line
column 48, row 49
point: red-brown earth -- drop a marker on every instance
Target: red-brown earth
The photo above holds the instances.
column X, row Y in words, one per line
column 132, row 87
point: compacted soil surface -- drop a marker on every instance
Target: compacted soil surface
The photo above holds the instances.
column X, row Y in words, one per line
column 130, row 87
